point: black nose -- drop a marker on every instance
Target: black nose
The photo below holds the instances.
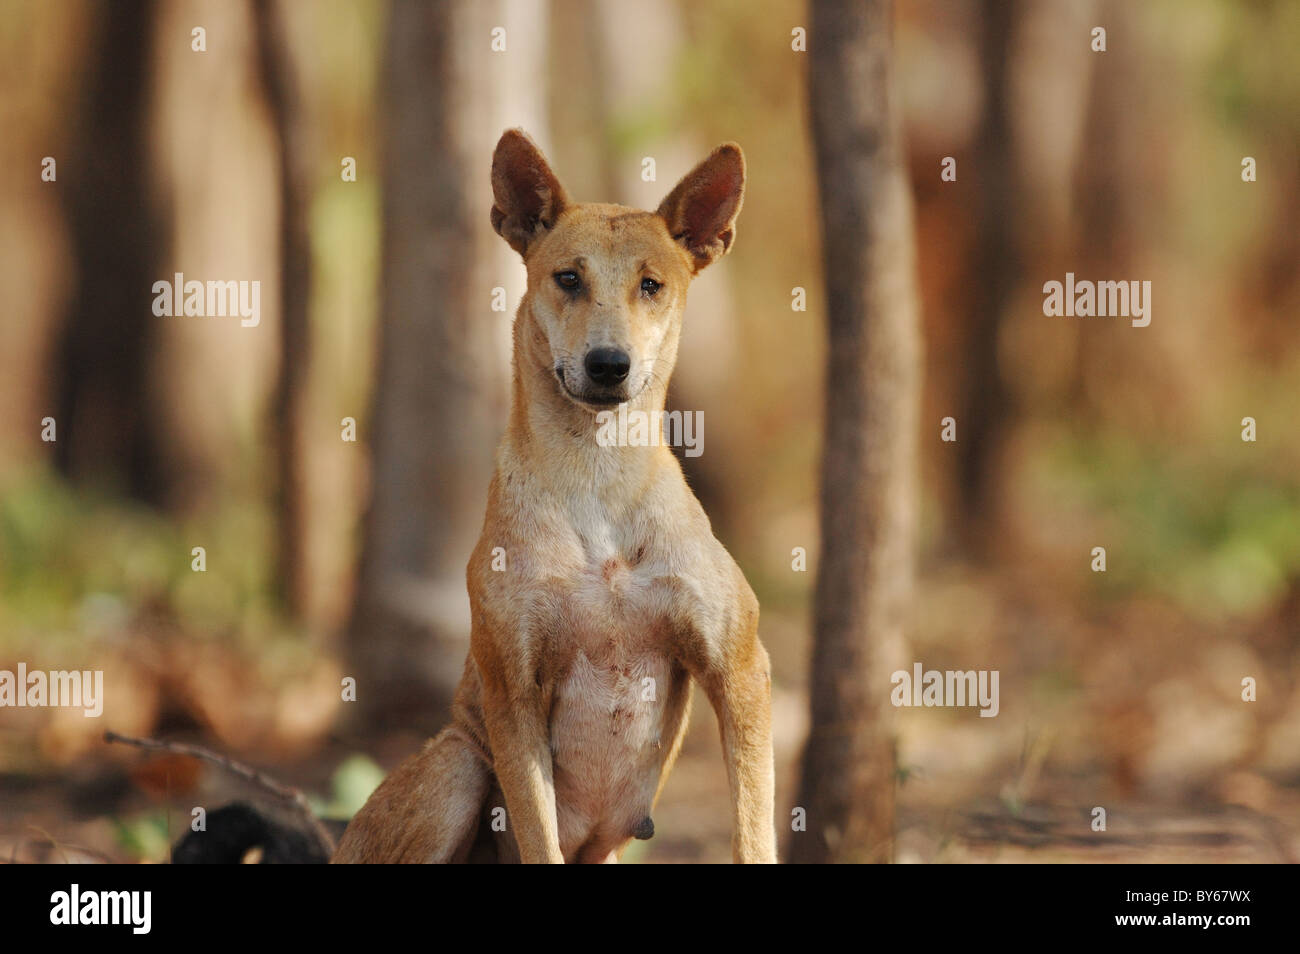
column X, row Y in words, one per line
column 607, row 366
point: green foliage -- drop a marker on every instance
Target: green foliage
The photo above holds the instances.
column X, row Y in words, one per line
column 78, row 563
column 1212, row 539
column 353, row 782
column 1250, row 77
column 143, row 837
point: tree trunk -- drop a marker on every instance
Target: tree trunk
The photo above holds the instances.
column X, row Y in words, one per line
column 1111, row 193
column 105, row 397
column 275, row 67
column 981, row 419
column 440, row 390
column 869, row 466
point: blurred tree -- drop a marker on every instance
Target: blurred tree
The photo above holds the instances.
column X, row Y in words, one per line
column 440, row 385
column 1118, row 189
column 995, row 270
column 284, row 101
column 869, row 465
column 107, row 428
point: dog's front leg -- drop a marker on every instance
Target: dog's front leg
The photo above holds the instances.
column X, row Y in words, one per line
column 521, row 755
column 741, row 697
column 736, row 675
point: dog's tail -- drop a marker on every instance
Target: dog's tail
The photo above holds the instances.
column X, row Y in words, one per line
column 239, row 833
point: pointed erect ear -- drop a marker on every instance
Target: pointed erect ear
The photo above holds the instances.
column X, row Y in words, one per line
column 527, row 196
column 701, row 212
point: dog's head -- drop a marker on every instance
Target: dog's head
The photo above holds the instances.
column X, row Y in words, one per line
column 607, row 284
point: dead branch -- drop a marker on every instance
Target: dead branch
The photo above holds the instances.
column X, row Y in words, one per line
column 286, row 793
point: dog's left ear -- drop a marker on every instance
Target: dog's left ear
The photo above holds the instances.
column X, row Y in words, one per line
column 701, row 212
column 527, row 197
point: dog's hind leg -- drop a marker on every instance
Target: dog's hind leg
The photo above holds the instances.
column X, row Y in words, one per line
column 427, row 810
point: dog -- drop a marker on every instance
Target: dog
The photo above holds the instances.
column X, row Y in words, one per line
column 598, row 591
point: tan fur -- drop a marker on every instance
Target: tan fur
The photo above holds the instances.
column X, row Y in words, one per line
column 613, row 575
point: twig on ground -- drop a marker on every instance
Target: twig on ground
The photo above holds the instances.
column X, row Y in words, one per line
column 285, row 792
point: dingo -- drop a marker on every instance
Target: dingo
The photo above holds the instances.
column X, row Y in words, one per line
column 597, row 589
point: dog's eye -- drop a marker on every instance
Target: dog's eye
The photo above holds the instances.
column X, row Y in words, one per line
column 569, row 281
column 650, row 287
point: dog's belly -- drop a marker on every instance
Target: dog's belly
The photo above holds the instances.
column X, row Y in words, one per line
column 607, row 728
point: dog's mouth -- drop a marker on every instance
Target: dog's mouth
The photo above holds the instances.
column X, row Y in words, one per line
column 599, row 399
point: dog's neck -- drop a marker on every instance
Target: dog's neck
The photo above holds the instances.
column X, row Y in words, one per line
column 555, row 439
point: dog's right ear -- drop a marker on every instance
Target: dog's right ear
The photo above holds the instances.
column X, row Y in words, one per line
column 528, row 197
